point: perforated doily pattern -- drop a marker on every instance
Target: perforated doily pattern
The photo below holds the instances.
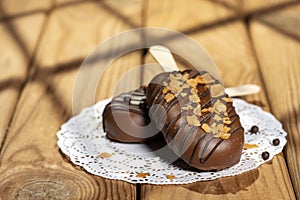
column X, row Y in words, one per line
column 82, row 139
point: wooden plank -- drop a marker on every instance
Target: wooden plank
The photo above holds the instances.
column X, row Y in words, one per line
column 185, row 16
column 253, row 6
column 18, row 40
column 278, row 56
column 229, row 47
column 285, row 20
column 30, row 161
column 17, row 8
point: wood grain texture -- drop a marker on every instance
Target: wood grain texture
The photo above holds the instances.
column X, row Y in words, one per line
column 18, row 40
column 253, row 6
column 286, row 21
column 31, row 163
column 19, row 8
column 185, row 16
column 229, row 47
column 279, row 59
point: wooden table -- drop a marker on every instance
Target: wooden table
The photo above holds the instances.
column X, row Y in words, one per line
column 44, row 42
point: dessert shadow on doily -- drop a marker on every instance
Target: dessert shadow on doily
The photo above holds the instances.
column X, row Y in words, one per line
column 225, row 185
column 160, row 148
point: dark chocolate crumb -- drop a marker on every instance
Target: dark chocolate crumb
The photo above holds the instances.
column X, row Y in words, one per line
column 254, row 129
column 265, row 155
column 276, row 142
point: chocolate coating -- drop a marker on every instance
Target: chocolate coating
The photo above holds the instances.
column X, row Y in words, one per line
column 125, row 118
column 197, row 146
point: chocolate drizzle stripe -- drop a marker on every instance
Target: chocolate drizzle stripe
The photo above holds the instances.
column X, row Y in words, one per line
column 123, row 108
column 236, row 130
column 182, row 126
column 215, row 147
column 155, row 93
column 160, row 100
column 229, row 111
column 187, row 135
column 204, row 149
column 204, row 156
column 172, row 121
column 169, row 106
column 197, row 144
column 233, row 119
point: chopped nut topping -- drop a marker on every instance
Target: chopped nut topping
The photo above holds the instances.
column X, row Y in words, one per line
column 169, row 97
column 250, row 146
column 193, row 120
column 207, row 78
column 142, row 175
column 185, row 76
column 225, row 129
column 220, row 127
column 194, row 98
column 216, row 90
column 205, row 110
column 174, row 77
column 105, row 155
column 183, row 94
column 214, row 130
column 188, row 107
column 227, row 99
column 206, row 128
column 197, row 110
column 224, row 136
column 192, row 82
column 194, row 91
column 227, row 122
column 184, row 85
column 217, row 118
column 166, row 90
column 219, row 107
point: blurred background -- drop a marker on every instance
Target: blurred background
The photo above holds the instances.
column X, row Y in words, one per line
column 43, row 43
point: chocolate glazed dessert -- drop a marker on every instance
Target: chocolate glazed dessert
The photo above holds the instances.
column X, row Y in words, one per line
column 198, row 120
column 125, row 118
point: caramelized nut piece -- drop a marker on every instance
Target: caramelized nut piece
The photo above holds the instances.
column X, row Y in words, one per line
column 169, row 97
column 227, row 99
column 216, row 90
column 193, row 120
column 224, row 136
column 206, row 128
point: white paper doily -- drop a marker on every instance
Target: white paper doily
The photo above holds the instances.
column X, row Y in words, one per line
column 83, row 140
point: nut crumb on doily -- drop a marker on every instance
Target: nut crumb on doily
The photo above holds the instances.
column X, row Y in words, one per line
column 105, row 155
column 170, row 176
column 250, row 146
column 142, row 175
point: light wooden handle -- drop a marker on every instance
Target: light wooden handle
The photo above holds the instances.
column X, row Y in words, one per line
column 164, row 57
